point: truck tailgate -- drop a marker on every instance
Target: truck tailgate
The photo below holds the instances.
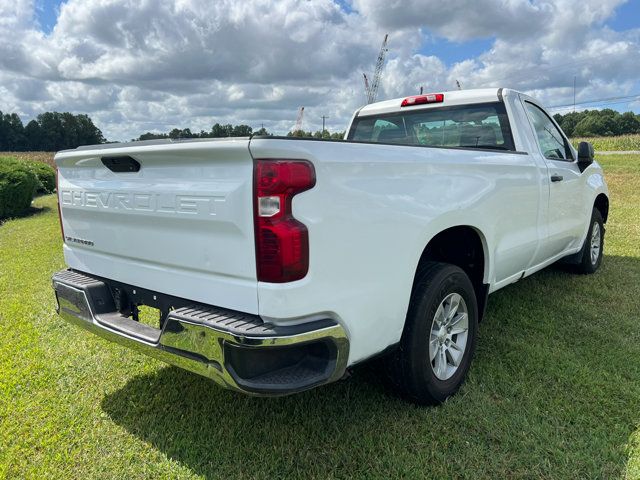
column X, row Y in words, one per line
column 181, row 225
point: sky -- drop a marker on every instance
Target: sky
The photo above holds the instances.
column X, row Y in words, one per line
column 153, row 65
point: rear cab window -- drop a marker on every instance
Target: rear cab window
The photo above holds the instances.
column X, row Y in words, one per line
column 475, row 126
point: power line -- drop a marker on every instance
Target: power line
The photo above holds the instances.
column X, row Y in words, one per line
column 604, row 101
column 568, row 109
column 622, row 97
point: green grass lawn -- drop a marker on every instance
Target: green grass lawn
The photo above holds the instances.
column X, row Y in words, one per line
column 554, row 391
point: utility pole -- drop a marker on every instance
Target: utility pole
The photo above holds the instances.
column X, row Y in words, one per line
column 298, row 126
column 421, row 89
column 323, row 119
column 574, row 93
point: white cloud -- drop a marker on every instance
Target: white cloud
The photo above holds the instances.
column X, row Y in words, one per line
column 542, row 63
column 460, row 19
column 143, row 65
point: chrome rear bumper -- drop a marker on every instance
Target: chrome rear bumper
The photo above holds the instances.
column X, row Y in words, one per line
column 236, row 350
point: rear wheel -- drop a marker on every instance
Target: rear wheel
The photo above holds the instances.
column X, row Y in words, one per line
column 591, row 253
column 439, row 337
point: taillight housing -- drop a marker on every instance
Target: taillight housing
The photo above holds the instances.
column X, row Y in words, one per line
column 282, row 242
column 58, row 202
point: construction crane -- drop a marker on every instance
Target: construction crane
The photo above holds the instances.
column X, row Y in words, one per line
column 366, row 86
column 371, row 90
column 299, row 120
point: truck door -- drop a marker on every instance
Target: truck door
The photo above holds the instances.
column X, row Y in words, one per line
column 564, row 215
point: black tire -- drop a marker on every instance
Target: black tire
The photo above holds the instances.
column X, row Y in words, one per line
column 411, row 368
column 589, row 264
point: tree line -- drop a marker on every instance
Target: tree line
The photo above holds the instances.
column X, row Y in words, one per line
column 220, row 131
column 53, row 131
column 325, row 135
column 598, row 123
column 50, row 131
column 217, row 131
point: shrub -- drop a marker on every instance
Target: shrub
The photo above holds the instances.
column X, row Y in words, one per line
column 17, row 187
column 45, row 174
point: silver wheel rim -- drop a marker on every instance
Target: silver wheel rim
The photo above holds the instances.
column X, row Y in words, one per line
column 595, row 243
column 448, row 336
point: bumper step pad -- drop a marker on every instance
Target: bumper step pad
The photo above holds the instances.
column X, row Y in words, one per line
column 237, row 350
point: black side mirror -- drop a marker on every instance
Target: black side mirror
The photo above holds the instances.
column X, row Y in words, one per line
column 585, row 155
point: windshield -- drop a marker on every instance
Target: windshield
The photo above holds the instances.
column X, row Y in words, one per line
column 483, row 126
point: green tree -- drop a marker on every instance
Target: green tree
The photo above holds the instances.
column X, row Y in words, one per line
column 52, row 131
column 88, row 133
column 33, row 136
column 218, row 131
column 604, row 122
column 241, row 131
column 300, row 134
column 594, row 125
column 629, row 123
column 177, row 133
column 319, row 134
column 152, row 136
column 568, row 122
column 11, row 132
column 61, row 131
column 262, row 132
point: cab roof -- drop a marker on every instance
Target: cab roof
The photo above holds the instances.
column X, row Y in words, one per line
column 454, row 97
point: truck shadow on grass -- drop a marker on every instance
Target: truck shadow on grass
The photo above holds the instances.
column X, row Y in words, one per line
column 554, row 391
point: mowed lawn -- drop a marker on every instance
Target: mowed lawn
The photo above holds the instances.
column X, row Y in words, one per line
column 554, row 391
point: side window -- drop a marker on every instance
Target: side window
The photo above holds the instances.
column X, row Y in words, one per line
column 552, row 142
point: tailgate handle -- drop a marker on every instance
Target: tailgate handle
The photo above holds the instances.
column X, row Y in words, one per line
column 121, row 164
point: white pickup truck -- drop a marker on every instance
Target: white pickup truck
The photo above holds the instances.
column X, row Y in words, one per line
column 277, row 264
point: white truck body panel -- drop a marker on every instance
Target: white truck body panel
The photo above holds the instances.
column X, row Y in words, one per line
column 182, row 225
column 372, row 212
column 381, row 205
column 456, row 97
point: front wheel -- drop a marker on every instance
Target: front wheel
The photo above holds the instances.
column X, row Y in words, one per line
column 591, row 253
column 439, row 337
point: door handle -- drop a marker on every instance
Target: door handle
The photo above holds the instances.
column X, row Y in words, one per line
column 556, row 178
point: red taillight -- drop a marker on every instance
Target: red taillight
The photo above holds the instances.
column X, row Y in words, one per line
column 58, row 202
column 282, row 242
column 422, row 99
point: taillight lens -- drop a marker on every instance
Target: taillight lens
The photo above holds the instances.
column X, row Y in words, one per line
column 58, row 202
column 423, row 99
column 282, row 242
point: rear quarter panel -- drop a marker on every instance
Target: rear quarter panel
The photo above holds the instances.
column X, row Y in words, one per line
column 372, row 212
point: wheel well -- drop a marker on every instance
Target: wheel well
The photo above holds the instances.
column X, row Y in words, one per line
column 602, row 204
column 461, row 246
